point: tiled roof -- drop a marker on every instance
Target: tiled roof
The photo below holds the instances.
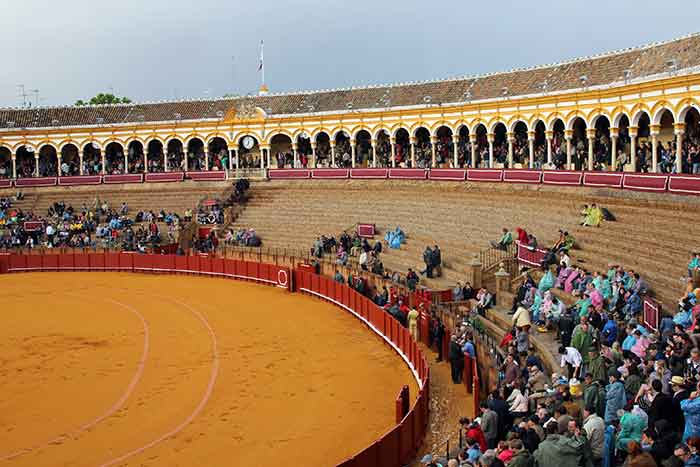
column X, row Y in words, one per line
column 600, row 70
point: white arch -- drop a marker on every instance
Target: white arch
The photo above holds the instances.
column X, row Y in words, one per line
column 617, row 119
column 492, row 128
column 515, row 122
column 597, row 117
column 659, row 113
column 63, row 145
column 570, row 122
column 442, row 125
column 379, row 131
column 189, row 139
column 637, row 116
column 684, row 112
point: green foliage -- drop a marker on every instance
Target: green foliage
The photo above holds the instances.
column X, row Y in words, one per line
column 104, row 98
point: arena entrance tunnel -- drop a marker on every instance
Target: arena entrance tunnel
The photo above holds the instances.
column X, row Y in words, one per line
column 397, row 447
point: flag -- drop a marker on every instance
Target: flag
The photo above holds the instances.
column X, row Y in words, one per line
column 260, row 67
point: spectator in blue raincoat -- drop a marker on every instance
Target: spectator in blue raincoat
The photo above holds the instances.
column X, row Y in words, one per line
column 691, row 412
column 615, row 397
column 547, row 281
column 609, row 332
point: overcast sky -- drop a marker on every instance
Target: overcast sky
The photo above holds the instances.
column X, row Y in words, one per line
column 164, row 49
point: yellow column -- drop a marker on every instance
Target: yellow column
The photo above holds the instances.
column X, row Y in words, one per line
column 58, row 163
column 568, row 134
column 679, row 130
column 433, row 144
column 654, row 131
column 295, row 156
column 531, row 149
column 510, row 136
column 413, row 151
column 313, row 155
column 373, row 142
column 392, row 143
column 455, row 156
column 549, row 135
column 14, row 165
column 472, row 141
column 36, row 164
column 590, row 134
column 332, row 153
column 633, row 147
column 614, row 133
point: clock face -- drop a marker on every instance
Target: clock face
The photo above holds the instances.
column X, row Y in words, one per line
column 248, row 142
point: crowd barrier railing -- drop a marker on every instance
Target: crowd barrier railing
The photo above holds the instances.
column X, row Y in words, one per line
column 86, row 261
column 650, row 182
column 681, row 184
column 398, row 446
column 395, row 448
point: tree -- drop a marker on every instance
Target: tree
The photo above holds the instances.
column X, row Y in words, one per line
column 103, row 98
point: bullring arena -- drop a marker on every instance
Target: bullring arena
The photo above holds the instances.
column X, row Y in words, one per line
column 175, row 291
column 179, row 370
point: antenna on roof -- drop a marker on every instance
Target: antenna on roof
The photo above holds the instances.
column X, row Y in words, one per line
column 22, row 94
column 672, row 65
column 627, row 74
column 36, row 97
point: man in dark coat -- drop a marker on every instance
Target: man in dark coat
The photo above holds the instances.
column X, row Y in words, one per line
column 437, row 261
column 566, row 328
column 661, row 406
column 428, row 260
column 456, row 360
column 680, row 393
column 439, row 335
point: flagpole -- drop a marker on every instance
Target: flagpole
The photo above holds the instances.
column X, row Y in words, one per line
column 262, row 62
column 261, row 68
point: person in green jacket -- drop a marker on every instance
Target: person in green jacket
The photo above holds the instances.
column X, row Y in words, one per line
column 596, row 365
column 591, row 393
column 547, row 281
column 612, row 272
column 694, row 263
column 521, row 456
column 505, row 240
column 592, row 217
column 583, row 304
column 562, row 451
column 631, row 427
column 582, row 340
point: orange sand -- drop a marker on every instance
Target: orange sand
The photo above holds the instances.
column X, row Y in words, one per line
column 99, row 368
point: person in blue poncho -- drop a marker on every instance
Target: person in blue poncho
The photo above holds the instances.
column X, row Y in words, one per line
column 615, row 397
column 691, row 412
column 547, row 281
column 633, row 305
column 631, row 427
column 630, row 340
column 694, row 263
column 609, row 332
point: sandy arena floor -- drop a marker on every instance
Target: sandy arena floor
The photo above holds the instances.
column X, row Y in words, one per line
column 102, row 369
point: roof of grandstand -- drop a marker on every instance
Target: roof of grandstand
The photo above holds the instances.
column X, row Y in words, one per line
column 618, row 67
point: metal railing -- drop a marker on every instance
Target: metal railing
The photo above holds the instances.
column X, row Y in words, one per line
column 491, row 257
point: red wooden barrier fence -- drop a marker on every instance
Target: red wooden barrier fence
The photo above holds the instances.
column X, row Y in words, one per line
column 396, row 447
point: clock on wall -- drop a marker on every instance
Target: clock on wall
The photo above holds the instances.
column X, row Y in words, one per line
column 248, row 142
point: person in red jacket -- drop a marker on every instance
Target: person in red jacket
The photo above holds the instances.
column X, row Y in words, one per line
column 473, row 430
